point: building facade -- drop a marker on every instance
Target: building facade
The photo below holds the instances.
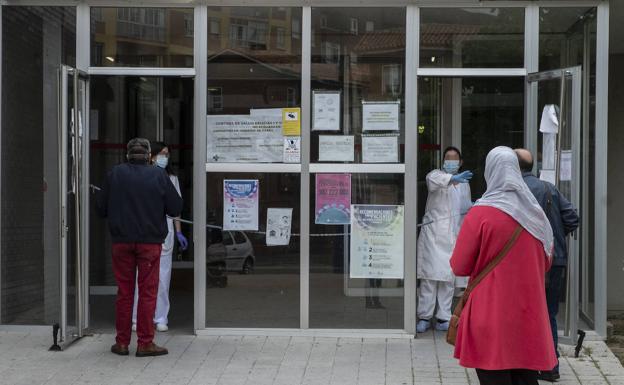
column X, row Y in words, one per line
column 327, row 109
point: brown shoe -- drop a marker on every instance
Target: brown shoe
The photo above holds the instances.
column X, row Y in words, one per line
column 119, row 349
column 151, row 350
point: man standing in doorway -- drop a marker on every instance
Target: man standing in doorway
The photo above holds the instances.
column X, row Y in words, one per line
column 136, row 199
column 563, row 220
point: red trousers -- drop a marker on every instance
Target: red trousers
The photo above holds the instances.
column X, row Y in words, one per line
column 127, row 258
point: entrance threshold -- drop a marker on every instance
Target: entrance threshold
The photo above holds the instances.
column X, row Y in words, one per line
column 332, row 333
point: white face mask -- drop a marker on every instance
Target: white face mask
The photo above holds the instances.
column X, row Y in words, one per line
column 162, row 161
column 451, row 166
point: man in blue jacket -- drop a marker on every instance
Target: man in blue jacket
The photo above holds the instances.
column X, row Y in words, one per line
column 564, row 220
column 136, row 198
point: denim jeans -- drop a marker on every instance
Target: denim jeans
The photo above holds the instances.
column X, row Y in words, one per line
column 554, row 285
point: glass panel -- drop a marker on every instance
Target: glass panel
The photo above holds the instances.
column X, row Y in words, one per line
column 250, row 283
column 254, row 73
column 142, row 37
column 35, row 42
column 472, row 37
column 159, row 109
column 337, row 300
column 562, row 33
column 568, row 38
column 475, row 114
column 358, row 77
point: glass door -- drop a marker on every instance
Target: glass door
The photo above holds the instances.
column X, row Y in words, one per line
column 557, row 128
column 74, row 86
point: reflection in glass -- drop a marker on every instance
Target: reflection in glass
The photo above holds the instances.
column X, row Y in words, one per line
column 35, row 42
column 359, row 55
column 472, row 37
column 336, row 300
column 141, row 37
column 250, row 284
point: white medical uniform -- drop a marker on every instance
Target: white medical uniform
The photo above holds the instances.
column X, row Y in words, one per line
column 166, row 257
column 444, row 213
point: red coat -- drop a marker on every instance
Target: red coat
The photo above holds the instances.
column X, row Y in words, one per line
column 504, row 324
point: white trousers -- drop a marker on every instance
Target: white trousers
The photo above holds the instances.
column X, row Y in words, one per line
column 162, row 301
column 428, row 292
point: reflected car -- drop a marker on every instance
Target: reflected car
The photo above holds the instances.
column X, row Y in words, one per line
column 229, row 251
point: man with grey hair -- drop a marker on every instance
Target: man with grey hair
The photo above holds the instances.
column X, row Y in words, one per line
column 136, row 199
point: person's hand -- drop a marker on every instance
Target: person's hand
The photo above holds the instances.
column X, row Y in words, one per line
column 182, row 240
column 462, row 177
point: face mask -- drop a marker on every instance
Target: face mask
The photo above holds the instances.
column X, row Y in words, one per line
column 162, row 161
column 451, row 166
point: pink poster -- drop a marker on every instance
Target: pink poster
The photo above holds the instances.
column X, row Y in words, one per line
column 333, row 199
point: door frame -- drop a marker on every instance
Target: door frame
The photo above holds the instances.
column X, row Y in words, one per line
column 79, row 117
column 572, row 309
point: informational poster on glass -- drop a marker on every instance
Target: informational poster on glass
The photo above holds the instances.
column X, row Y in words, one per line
column 548, row 176
column 380, row 116
column 565, row 168
column 336, row 148
column 549, row 127
column 291, row 121
column 326, row 110
column 278, row 227
column 292, row 149
column 240, row 204
column 376, row 241
column 333, row 199
column 380, row 148
column 244, row 139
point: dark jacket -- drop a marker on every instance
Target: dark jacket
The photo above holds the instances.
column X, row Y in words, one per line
column 560, row 212
column 136, row 198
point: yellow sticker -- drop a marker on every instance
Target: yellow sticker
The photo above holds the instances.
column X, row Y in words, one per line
column 291, row 121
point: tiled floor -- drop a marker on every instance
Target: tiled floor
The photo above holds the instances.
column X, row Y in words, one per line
column 254, row 360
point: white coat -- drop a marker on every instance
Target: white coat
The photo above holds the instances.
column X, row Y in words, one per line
column 445, row 205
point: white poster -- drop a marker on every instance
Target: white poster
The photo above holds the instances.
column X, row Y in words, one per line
column 278, row 227
column 292, row 149
column 549, row 150
column 240, row 204
column 272, row 112
column 548, row 176
column 565, row 170
column 326, row 116
column 382, row 116
column 376, row 241
column 245, row 138
column 380, row 149
column 336, row 148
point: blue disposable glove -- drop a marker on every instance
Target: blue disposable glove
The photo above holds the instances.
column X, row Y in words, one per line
column 182, row 240
column 462, row 177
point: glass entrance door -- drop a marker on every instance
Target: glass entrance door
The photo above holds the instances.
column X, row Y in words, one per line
column 74, row 88
column 557, row 130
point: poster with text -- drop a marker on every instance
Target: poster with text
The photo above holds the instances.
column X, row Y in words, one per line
column 380, row 149
column 292, row 149
column 240, row 204
column 336, row 148
column 326, row 107
column 381, row 116
column 244, row 138
column 376, row 241
column 291, row 121
column 278, row 227
column 333, row 199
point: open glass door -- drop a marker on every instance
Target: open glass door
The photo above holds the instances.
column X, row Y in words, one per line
column 74, row 88
column 554, row 121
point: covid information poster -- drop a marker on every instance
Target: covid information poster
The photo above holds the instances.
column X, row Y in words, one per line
column 376, row 241
column 240, row 204
column 333, row 199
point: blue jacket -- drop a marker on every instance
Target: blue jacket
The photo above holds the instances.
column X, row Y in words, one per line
column 560, row 212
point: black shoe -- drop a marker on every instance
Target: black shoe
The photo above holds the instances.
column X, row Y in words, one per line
column 550, row 376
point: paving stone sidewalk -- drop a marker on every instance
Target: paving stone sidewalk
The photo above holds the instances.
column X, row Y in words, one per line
column 253, row 360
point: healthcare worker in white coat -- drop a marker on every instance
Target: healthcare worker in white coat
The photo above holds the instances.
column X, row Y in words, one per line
column 448, row 201
column 160, row 158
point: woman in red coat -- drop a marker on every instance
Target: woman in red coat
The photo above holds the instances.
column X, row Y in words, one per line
column 504, row 330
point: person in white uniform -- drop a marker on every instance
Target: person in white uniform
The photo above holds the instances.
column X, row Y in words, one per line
column 160, row 158
column 448, row 201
